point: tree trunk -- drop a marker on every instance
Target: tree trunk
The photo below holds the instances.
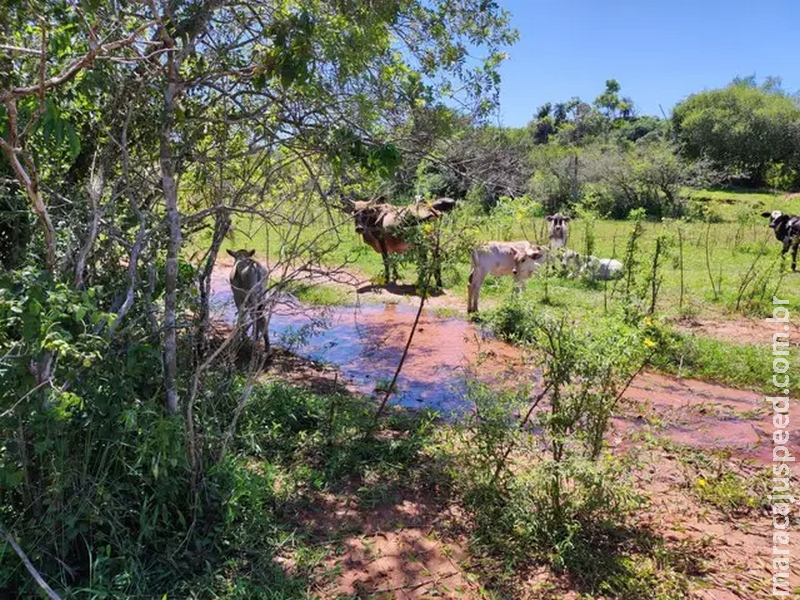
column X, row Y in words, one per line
column 170, row 189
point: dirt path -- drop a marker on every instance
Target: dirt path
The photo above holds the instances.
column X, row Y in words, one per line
column 738, row 331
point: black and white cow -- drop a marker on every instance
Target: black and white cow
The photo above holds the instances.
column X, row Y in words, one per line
column 787, row 230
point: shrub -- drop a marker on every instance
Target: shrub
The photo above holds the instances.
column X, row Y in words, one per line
column 543, row 491
column 780, row 176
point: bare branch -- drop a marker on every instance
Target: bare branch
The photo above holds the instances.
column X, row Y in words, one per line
column 29, row 565
column 76, row 66
column 19, row 49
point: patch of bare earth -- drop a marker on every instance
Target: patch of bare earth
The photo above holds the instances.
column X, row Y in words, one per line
column 395, row 550
column 738, row 331
column 735, row 553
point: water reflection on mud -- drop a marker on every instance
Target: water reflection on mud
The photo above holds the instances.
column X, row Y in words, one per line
column 366, row 342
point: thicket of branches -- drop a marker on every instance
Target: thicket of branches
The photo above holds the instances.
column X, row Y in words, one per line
column 134, row 136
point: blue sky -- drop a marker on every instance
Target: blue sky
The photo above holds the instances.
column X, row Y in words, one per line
column 659, row 51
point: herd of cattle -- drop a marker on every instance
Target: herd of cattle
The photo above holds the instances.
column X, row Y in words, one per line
column 381, row 226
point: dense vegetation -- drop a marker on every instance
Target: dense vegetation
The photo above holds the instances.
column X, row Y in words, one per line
column 141, row 455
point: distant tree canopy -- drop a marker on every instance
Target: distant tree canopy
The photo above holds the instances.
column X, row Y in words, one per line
column 741, row 127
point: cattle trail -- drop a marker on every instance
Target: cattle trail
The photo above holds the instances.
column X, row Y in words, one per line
column 365, row 343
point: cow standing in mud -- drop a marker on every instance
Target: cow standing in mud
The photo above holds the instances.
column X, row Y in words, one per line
column 787, row 230
column 520, row 259
column 248, row 280
column 558, row 232
column 381, row 226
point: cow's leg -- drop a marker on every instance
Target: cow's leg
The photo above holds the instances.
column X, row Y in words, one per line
column 476, row 278
column 437, row 274
column 436, row 264
column 385, row 257
column 795, row 246
column 519, row 284
column 469, row 290
column 263, row 327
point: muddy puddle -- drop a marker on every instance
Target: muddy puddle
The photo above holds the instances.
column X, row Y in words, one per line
column 365, row 344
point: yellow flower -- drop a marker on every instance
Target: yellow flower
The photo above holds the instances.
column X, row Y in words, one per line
column 649, row 343
column 701, row 482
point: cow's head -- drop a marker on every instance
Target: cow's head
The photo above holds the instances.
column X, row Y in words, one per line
column 558, row 222
column 775, row 217
column 570, row 259
column 528, row 260
column 363, row 212
column 241, row 254
column 558, row 229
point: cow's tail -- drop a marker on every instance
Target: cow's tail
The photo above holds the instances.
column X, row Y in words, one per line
column 474, row 256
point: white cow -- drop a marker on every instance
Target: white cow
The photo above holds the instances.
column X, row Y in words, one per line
column 519, row 259
column 602, row 269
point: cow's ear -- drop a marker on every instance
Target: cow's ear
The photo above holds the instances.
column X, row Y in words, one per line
column 548, row 218
column 766, row 214
column 251, row 253
column 534, row 253
column 233, row 254
column 567, row 219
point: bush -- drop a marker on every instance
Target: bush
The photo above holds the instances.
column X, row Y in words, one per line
column 780, row 176
column 539, row 488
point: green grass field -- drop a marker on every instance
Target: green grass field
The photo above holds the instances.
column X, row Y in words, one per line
column 741, row 257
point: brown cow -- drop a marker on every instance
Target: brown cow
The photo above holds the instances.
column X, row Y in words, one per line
column 381, row 227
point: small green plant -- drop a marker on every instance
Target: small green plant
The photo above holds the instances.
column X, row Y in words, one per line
column 712, row 478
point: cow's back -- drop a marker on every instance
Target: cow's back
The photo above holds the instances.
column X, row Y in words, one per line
column 497, row 258
column 245, row 276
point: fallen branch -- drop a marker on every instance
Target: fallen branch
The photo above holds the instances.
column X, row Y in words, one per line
column 29, row 565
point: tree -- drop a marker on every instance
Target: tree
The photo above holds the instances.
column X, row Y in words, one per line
column 128, row 129
column 741, row 127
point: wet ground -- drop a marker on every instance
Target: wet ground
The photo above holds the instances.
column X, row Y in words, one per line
column 365, row 344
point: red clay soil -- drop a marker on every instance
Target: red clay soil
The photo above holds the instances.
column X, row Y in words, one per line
column 391, row 551
column 739, row 331
column 401, row 550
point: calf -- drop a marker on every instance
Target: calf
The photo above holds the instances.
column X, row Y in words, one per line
column 248, row 279
column 558, row 232
column 519, row 259
column 603, row 269
column 787, row 230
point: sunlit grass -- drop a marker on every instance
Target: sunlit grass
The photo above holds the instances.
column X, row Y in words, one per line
column 728, row 253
